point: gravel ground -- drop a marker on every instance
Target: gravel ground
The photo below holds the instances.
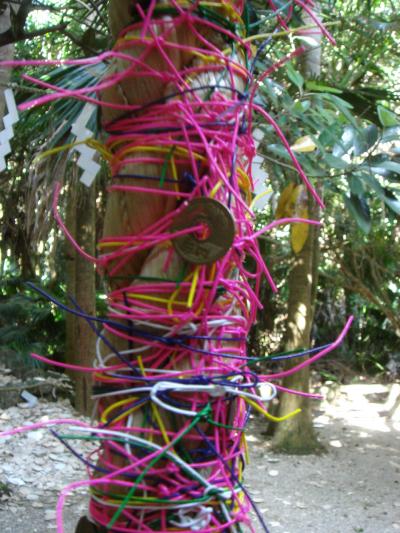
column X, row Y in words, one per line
column 353, row 488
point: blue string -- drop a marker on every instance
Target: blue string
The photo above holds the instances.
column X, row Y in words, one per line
column 234, row 478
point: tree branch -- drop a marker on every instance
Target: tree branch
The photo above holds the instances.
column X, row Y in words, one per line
column 11, row 36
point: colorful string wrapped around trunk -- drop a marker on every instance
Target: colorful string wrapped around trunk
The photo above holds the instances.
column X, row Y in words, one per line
column 172, row 385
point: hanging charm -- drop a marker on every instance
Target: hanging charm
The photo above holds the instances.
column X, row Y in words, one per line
column 262, row 193
column 85, row 161
column 8, row 132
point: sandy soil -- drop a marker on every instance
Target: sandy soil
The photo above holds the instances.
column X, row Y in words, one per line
column 353, row 488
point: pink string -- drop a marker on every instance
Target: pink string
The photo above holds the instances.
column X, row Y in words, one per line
column 190, row 331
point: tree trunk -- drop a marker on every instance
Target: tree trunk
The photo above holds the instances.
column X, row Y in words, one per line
column 6, row 54
column 85, row 294
column 296, row 435
column 128, row 215
column 70, row 270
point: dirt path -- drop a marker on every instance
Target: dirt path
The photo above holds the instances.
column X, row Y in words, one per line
column 354, row 488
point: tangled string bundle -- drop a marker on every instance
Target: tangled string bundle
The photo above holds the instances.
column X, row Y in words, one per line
column 172, row 381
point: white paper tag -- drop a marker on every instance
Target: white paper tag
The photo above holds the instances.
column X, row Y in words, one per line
column 86, row 159
column 7, row 133
column 260, row 177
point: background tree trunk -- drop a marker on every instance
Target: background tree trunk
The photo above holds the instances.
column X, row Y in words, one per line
column 70, row 268
column 82, row 345
column 296, row 435
column 6, row 54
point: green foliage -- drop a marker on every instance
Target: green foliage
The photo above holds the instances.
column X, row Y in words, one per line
column 52, row 123
column 72, row 28
column 27, row 324
column 350, row 115
column 353, row 158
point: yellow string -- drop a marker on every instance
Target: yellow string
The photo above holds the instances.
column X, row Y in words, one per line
column 115, row 405
column 99, row 147
column 175, row 295
column 150, row 298
column 193, row 287
column 245, row 448
column 109, row 244
column 154, row 409
column 174, row 172
column 179, row 150
column 268, row 415
column 283, row 33
column 215, row 189
column 259, row 196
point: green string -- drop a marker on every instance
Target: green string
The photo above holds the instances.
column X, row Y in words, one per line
column 225, row 426
column 165, row 166
column 202, row 414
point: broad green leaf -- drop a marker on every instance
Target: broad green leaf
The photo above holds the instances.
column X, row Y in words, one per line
column 386, row 165
column 328, row 137
column 278, row 150
column 335, row 162
column 356, row 185
column 342, row 106
column 391, row 134
column 339, row 102
column 294, row 75
column 387, row 117
column 371, row 135
column 351, row 142
column 301, row 106
column 312, row 85
column 359, row 210
column 391, row 200
column 383, row 193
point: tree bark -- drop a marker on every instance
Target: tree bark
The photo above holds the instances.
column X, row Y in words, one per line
column 85, row 294
column 6, row 54
column 131, row 214
column 297, row 435
column 70, row 270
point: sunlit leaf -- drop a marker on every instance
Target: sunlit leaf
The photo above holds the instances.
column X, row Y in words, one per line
column 387, row 117
column 304, row 144
column 299, row 233
column 287, row 199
